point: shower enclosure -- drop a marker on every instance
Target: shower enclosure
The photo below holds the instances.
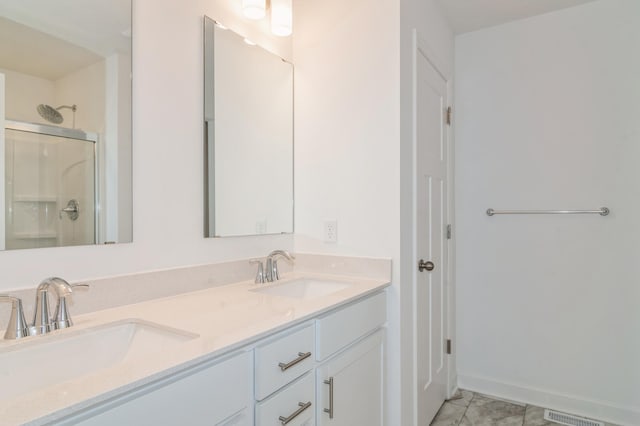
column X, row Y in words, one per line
column 50, row 186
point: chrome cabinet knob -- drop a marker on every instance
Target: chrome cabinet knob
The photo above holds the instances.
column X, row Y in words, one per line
column 428, row 265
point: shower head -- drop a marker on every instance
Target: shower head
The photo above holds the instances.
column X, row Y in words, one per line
column 52, row 115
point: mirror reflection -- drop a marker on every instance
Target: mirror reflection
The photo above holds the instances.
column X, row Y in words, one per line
column 248, row 137
column 65, row 139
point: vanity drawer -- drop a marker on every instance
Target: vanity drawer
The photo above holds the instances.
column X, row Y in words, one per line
column 338, row 329
column 295, row 402
column 216, row 393
column 283, row 360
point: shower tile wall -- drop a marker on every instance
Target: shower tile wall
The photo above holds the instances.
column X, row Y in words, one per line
column 41, row 174
column 30, row 192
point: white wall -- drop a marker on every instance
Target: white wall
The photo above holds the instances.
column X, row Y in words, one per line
column 168, row 163
column 346, row 125
column 547, row 113
column 86, row 89
column 353, row 141
column 23, row 93
column 346, row 57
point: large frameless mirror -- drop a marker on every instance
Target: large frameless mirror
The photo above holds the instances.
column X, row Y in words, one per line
column 248, row 119
column 65, row 115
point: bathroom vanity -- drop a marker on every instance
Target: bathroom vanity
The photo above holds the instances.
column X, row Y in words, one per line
column 305, row 350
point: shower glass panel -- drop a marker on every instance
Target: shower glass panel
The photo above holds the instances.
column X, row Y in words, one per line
column 50, row 187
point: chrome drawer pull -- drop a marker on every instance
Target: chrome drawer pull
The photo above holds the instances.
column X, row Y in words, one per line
column 303, row 406
column 301, row 357
column 330, row 409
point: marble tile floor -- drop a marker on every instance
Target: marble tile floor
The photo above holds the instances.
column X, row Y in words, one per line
column 474, row 409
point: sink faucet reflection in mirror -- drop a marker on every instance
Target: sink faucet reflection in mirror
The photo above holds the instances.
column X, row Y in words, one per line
column 43, row 323
column 269, row 272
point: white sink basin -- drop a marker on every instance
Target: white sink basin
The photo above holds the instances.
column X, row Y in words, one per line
column 42, row 361
column 303, row 288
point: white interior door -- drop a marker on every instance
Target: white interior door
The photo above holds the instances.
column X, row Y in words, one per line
column 431, row 217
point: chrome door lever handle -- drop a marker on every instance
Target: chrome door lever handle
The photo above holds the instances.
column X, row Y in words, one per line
column 428, row 265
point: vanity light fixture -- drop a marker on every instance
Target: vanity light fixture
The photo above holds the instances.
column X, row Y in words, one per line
column 281, row 14
column 254, row 9
column 281, row 17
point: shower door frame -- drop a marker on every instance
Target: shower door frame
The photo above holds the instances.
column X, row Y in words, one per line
column 76, row 134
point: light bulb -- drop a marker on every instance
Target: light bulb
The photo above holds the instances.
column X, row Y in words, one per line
column 254, row 9
column 281, row 17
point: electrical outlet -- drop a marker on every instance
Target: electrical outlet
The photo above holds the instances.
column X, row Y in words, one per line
column 331, row 231
column 261, row 226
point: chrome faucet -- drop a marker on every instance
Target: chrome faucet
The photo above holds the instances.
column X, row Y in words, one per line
column 42, row 322
column 271, row 273
column 17, row 327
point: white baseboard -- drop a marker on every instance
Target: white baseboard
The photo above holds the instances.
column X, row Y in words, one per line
column 598, row 410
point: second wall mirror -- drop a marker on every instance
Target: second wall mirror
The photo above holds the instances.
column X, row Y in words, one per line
column 248, row 123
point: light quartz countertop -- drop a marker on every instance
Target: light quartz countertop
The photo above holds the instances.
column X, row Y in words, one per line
column 224, row 318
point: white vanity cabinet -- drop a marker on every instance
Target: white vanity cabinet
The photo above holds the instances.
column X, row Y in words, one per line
column 349, row 378
column 280, row 360
column 217, row 393
column 350, row 386
column 345, row 349
column 292, row 406
column 285, row 385
column 325, row 371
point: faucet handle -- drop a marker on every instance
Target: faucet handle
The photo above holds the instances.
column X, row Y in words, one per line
column 62, row 319
column 81, row 286
column 260, row 274
column 17, row 326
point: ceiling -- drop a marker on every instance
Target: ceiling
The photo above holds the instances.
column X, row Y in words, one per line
column 470, row 15
column 32, row 52
column 50, row 39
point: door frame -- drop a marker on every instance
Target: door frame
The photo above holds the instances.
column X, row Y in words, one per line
column 422, row 47
column 3, row 183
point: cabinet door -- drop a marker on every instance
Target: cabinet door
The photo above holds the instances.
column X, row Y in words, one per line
column 217, row 393
column 349, row 386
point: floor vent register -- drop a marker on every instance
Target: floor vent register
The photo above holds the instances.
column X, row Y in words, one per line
column 568, row 419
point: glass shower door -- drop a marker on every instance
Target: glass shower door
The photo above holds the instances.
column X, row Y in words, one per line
column 50, row 187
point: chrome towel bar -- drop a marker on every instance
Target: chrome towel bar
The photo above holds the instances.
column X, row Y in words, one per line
column 603, row 211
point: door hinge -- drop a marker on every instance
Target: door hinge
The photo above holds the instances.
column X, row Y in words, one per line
column 448, row 232
column 449, row 116
column 448, row 346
